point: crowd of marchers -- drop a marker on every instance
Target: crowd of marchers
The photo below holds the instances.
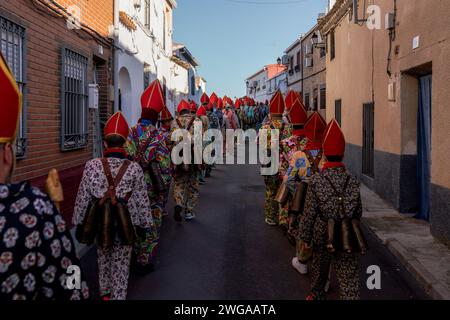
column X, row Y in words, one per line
column 123, row 196
column 314, row 198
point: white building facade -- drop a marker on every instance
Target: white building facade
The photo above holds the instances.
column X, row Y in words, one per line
column 257, row 87
column 293, row 59
column 143, row 33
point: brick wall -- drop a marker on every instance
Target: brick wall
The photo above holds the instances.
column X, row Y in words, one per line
column 46, row 35
column 97, row 14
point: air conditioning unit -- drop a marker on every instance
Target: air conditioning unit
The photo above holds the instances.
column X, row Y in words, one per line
column 285, row 60
column 308, row 62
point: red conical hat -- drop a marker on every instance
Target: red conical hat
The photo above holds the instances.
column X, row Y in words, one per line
column 183, row 105
column 220, row 103
column 315, row 128
column 291, row 97
column 165, row 115
column 237, row 104
column 153, row 97
column 277, row 105
column 213, row 99
column 334, row 140
column 10, row 104
column 193, row 107
column 201, row 111
column 204, row 99
column 297, row 113
column 117, row 125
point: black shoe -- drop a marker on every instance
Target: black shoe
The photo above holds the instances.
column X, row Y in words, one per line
column 177, row 214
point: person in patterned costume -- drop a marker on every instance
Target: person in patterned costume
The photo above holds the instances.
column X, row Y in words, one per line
column 304, row 164
column 165, row 120
column 36, row 247
column 202, row 115
column 323, row 203
column 146, row 145
column 297, row 116
column 213, row 123
column 272, row 182
column 128, row 178
column 186, row 188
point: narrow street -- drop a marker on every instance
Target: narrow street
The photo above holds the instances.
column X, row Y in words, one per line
column 229, row 253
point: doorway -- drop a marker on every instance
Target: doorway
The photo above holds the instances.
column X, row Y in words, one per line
column 424, row 132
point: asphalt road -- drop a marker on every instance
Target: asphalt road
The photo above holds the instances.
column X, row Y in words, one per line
column 229, row 253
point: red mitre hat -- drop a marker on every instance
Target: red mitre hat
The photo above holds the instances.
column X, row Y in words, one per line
column 237, row 103
column 213, row 99
column 117, row 125
column 277, row 105
column 10, row 104
column 204, row 99
column 165, row 115
column 334, row 140
column 220, row 103
column 201, row 111
column 193, row 107
column 314, row 130
column 183, row 105
column 297, row 113
column 153, row 97
column 291, row 97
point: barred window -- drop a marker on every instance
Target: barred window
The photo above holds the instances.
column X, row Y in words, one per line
column 12, row 38
column 74, row 130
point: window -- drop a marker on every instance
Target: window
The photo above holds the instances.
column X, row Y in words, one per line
column 368, row 140
column 147, row 75
column 332, row 45
column 323, row 52
column 315, row 99
column 307, row 101
column 74, row 131
column 165, row 89
column 12, row 37
column 323, row 97
column 147, row 14
column 338, row 111
column 291, row 62
column 193, row 86
column 299, row 61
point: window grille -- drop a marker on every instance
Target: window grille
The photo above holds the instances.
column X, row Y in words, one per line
column 74, row 132
column 12, row 44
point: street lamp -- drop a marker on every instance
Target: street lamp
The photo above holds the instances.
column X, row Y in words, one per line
column 279, row 60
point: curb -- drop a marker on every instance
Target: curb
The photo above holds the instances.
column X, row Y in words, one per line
column 432, row 287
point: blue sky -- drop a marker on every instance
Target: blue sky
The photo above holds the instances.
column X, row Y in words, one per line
column 232, row 39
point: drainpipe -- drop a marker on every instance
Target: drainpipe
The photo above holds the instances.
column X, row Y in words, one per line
column 116, row 55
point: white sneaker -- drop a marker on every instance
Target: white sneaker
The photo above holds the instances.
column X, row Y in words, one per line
column 189, row 216
column 300, row 267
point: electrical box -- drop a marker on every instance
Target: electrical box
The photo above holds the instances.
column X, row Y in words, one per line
column 93, row 96
column 416, row 42
column 391, row 91
column 390, row 21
